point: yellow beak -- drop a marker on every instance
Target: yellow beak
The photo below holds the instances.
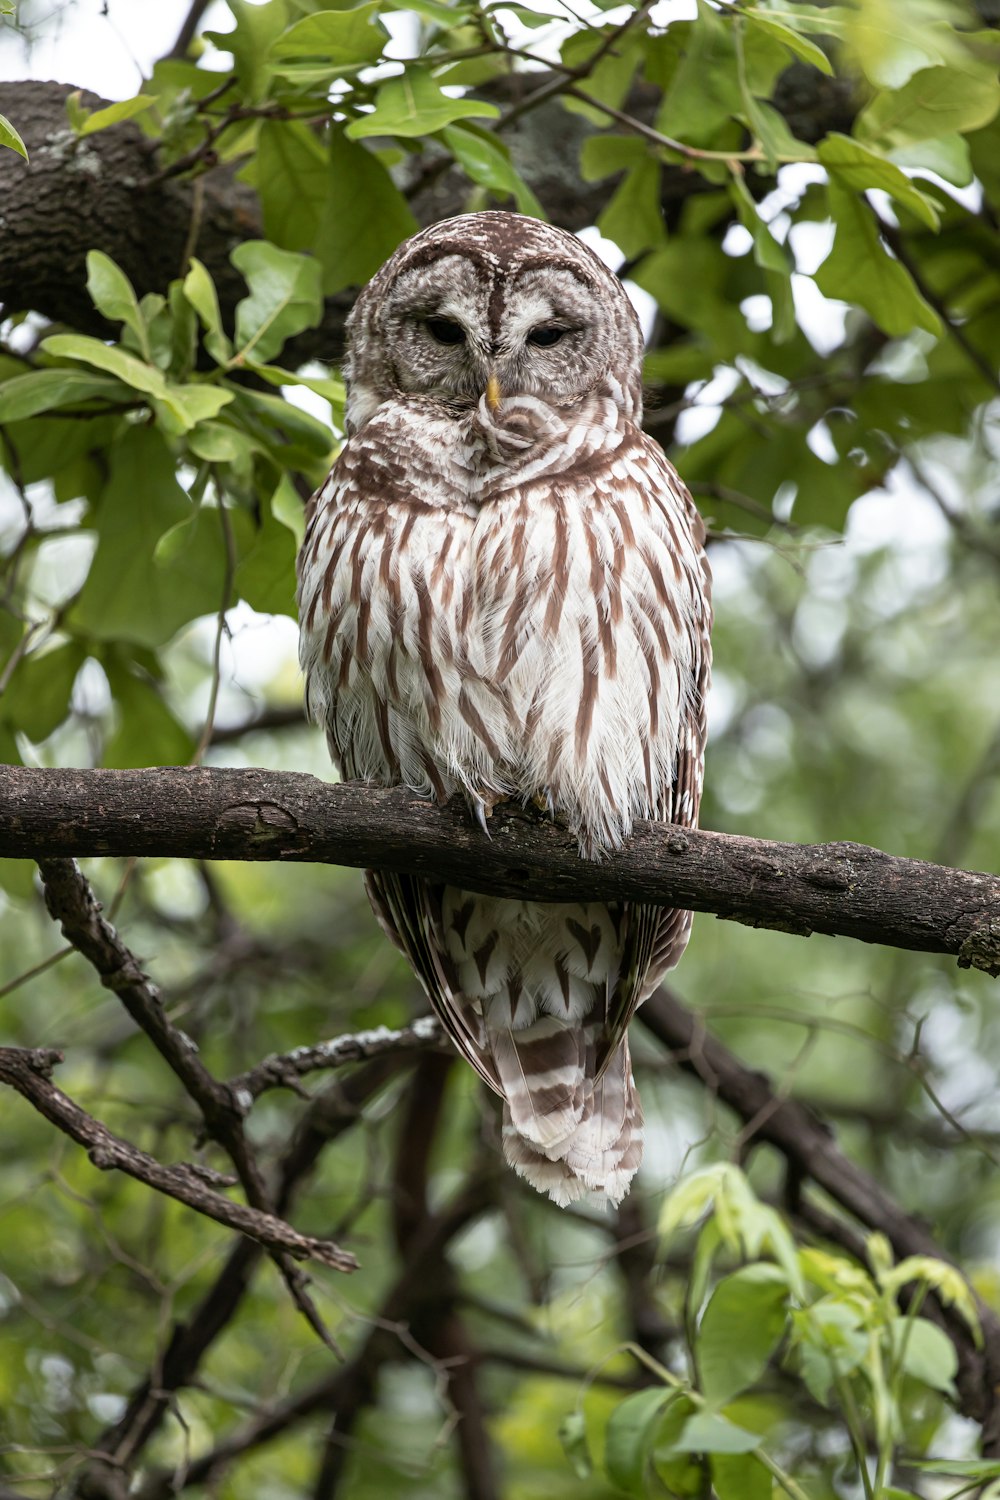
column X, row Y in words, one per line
column 493, row 392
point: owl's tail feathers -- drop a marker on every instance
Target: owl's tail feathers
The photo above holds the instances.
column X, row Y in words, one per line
column 598, row 1155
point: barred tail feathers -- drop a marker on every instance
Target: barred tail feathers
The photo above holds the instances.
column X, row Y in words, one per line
column 600, row 1153
column 543, row 980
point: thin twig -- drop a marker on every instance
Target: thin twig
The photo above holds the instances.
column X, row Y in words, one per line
column 282, row 1070
column 29, row 1072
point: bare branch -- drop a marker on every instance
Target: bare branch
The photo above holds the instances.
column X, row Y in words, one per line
column 200, row 813
column 29, row 1073
column 72, row 903
column 284, row 1069
column 336, row 1109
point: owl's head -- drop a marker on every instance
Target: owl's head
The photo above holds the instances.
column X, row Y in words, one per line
column 493, row 294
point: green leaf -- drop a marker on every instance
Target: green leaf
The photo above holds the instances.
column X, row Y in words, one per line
column 608, row 81
column 339, row 38
column 113, row 114
column 633, row 217
column 199, row 289
column 327, row 386
column 947, row 1281
column 257, row 29
column 774, row 261
column 707, row 1432
column 742, row 1326
column 9, row 137
column 37, row 699
column 740, row 1477
column 411, row 104
column 860, row 269
column 133, row 372
column 287, row 507
column 285, row 297
column 352, row 246
column 601, row 155
column 705, row 91
column 147, row 733
column 113, row 294
column 293, row 182
column 216, row 443
column 486, row 160
column 948, row 155
column 292, row 437
column 128, row 595
column 859, row 167
column 935, row 102
column 631, row 1433
column 927, row 1353
column 793, row 40
column 184, row 406
column 448, row 16
column 831, row 1340
column 958, row 1468
column 744, row 1222
column 265, row 577
column 47, row 390
column 573, row 1436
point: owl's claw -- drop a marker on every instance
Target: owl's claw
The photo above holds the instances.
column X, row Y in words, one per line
column 545, row 801
column 480, row 813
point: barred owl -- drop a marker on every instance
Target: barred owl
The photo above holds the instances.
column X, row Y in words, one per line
column 504, row 594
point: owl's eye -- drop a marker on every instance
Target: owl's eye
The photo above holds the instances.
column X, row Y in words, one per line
column 445, row 331
column 546, row 335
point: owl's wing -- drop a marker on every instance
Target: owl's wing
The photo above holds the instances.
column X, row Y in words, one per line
column 408, row 911
column 656, row 936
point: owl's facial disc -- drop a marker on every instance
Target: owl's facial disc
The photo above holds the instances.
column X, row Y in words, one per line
column 454, row 327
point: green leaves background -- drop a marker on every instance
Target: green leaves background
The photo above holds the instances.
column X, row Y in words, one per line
column 749, row 163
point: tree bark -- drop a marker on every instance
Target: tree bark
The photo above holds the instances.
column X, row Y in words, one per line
column 198, row 813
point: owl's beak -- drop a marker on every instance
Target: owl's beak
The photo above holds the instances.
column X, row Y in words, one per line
column 493, row 392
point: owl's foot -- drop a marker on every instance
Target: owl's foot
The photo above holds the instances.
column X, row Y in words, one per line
column 545, row 801
column 482, row 805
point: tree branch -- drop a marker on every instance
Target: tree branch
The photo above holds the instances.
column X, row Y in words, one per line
column 336, row 1109
column 284, row 1069
column 28, row 1071
column 842, row 889
column 72, row 903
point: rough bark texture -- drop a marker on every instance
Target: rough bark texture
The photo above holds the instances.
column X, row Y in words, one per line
column 840, row 888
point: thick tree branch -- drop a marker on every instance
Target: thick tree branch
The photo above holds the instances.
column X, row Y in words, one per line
column 842, row 888
column 29, row 1073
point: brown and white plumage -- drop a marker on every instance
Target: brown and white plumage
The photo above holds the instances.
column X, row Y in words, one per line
column 513, row 601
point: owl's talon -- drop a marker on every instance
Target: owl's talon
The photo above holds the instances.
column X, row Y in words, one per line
column 545, row 801
column 481, row 814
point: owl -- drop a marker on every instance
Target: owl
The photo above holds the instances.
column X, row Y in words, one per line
column 504, row 594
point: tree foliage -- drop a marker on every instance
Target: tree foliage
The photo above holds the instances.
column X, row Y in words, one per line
column 808, row 196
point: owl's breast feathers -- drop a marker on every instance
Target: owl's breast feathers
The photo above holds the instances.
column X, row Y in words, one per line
column 535, row 628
